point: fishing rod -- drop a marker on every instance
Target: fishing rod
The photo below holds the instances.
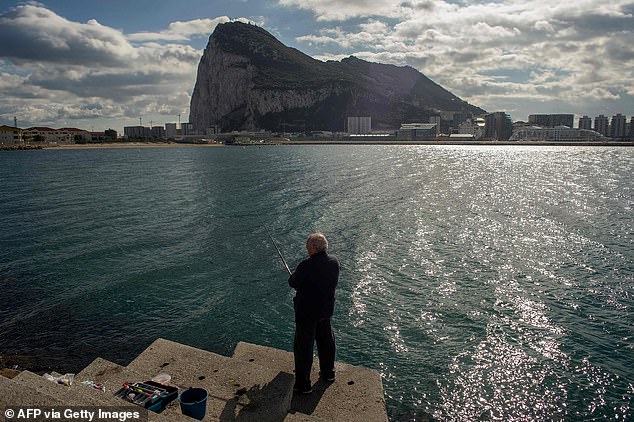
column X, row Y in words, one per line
column 278, row 251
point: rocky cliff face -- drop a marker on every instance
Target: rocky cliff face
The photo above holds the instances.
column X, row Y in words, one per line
column 248, row 80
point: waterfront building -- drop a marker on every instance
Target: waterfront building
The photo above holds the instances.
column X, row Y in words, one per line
column 559, row 133
column 158, row 132
column 98, row 137
column 601, row 124
column 459, row 118
column 473, row 127
column 359, row 125
column 585, row 123
column 137, row 132
column 39, row 134
column 187, row 129
column 72, row 135
column 67, row 135
column 498, row 126
column 170, row 130
column 213, row 130
column 617, row 126
column 551, row 120
column 413, row 131
column 631, row 131
column 436, row 120
column 10, row 135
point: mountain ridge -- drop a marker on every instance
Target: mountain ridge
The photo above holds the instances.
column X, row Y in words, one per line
column 247, row 79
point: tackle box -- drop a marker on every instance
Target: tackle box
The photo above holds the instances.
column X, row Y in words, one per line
column 149, row 394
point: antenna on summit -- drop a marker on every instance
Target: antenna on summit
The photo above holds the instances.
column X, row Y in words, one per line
column 15, row 121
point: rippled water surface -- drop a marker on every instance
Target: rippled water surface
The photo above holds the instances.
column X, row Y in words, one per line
column 484, row 283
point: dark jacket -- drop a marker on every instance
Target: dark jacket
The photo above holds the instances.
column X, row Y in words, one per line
column 315, row 280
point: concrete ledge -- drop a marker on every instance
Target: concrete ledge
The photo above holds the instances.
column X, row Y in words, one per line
column 14, row 394
column 356, row 394
column 300, row 417
column 249, row 392
column 76, row 395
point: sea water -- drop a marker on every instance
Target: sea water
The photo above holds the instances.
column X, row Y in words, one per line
column 483, row 283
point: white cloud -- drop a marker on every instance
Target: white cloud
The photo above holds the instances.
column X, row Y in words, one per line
column 32, row 32
column 181, row 31
column 54, row 71
column 340, row 10
column 548, row 51
column 184, row 31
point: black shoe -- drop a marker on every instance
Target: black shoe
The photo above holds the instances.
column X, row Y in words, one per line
column 306, row 389
column 328, row 377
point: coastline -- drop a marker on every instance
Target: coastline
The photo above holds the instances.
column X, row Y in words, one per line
column 277, row 142
column 123, row 145
column 436, row 142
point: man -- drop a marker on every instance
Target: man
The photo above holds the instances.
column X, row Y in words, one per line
column 315, row 280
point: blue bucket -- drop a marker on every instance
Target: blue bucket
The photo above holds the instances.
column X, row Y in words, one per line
column 194, row 402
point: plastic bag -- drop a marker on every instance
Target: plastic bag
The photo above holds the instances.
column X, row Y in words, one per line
column 162, row 378
column 66, row 379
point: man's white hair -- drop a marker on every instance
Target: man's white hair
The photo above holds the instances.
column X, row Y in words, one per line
column 317, row 241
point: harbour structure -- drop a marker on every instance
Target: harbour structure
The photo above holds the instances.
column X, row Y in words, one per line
column 559, row 133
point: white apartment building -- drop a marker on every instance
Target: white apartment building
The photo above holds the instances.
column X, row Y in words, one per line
column 10, row 135
column 66, row 135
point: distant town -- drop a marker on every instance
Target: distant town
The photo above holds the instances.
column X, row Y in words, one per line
column 446, row 126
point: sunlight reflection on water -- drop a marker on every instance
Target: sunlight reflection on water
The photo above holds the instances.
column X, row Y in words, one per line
column 484, row 283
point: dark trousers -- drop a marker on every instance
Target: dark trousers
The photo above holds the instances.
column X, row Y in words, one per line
column 306, row 333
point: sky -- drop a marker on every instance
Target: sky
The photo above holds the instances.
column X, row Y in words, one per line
column 99, row 64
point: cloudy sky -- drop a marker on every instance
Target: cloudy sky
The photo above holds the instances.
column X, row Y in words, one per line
column 97, row 64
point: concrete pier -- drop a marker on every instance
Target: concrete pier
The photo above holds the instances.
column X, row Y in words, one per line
column 255, row 384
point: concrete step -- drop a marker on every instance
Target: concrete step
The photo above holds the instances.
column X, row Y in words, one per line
column 75, row 395
column 112, row 376
column 356, row 394
column 81, row 395
column 250, row 392
column 14, row 394
column 300, row 417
